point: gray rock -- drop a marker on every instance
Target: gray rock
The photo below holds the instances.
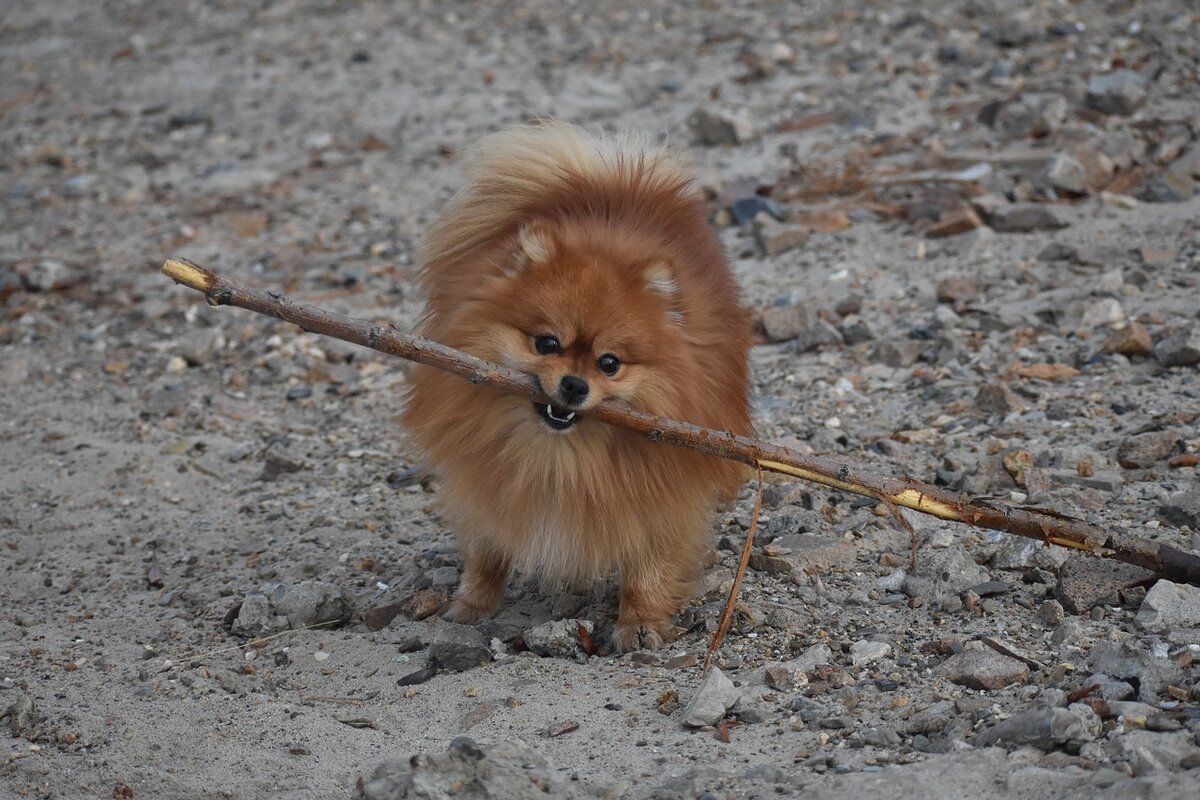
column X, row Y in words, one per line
column 1102, row 481
column 1134, row 714
column 443, row 576
column 1170, row 605
column 893, row 581
column 881, row 737
column 815, row 656
column 1050, row 612
column 1025, row 217
column 1149, row 752
column 809, row 711
column 21, row 715
column 257, row 617
column 776, row 237
column 1105, row 312
column 458, row 647
column 781, row 677
column 467, row 770
column 1067, row 175
column 713, row 126
column 1016, row 552
column 1120, row 92
column 590, row 95
column 713, row 698
column 1167, row 187
column 983, row 669
column 198, row 347
column 997, row 398
column 805, row 552
column 1144, row 450
column 819, row 334
column 1188, row 163
column 898, row 352
column 10, row 283
column 1086, row 581
column 1043, row 728
column 1182, row 508
column 1110, row 688
column 855, row 329
column 557, row 639
column 278, row 461
column 785, row 321
column 277, row 607
column 1181, row 349
column 239, row 180
column 931, row 719
column 47, row 275
column 1059, row 251
column 1093, row 727
column 1125, row 661
column 976, row 243
column 752, row 710
column 1069, row 631
column 946, row 572
column 748, row 209
column 79, row 185
column 1037, row 116
column 241, row 451
column 865, row 652
column 1072, row 457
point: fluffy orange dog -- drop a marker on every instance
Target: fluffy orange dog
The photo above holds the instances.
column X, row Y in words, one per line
column 588, row 262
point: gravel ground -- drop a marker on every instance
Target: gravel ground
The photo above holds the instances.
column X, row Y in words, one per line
column 972, row 233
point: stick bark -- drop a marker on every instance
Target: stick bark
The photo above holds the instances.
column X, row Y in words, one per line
column 1045, row 525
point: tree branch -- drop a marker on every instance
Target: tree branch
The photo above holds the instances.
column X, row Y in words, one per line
column 1045, row 525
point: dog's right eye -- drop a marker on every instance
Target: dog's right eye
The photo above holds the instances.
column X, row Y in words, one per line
column 547, row 345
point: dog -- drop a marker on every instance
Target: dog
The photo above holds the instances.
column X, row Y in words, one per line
column 588, row 261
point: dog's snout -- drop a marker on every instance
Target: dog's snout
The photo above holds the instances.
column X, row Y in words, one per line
column 573, row 390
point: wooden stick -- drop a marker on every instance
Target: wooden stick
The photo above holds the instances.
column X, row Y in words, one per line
column 1035, row 523
column 731, row 602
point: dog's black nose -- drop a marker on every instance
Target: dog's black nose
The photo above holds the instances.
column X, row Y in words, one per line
column 573, row 390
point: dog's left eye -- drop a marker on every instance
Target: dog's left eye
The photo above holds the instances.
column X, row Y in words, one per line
column 547, row 345
column 609, row 364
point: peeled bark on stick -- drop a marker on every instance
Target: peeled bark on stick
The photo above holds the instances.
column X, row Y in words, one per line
column 1045, row 525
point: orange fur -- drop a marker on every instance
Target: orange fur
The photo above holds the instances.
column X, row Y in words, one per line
column 601, row 243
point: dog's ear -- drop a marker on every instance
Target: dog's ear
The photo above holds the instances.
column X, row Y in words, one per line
column 660, row 280
column 535, row 245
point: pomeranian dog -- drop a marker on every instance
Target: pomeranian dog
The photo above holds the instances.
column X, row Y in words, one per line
column 587, row 261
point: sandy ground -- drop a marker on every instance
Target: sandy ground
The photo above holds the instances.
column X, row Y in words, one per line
column 159, row 460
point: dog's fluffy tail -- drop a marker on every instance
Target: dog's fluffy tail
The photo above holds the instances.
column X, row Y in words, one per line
column 511, row 171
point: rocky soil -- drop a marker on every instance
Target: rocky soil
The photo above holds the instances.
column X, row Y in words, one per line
column 971, row 229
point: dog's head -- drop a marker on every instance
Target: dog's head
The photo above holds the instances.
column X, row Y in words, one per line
column 590, row 313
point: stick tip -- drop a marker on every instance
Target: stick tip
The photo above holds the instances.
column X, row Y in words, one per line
column 191, row 275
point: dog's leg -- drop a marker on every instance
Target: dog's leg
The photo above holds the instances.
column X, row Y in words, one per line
column 481, row 587
column 650, row 594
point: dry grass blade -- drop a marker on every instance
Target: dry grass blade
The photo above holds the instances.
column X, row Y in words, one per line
column 262, row 640
column 731, row 601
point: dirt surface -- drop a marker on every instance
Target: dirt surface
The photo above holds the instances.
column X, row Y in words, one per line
column 986, row 274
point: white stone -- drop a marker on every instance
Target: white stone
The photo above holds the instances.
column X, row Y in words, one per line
column 715, row 696
column 865, row 652
column 1170, row 605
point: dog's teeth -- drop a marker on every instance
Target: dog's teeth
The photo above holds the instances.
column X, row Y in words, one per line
column 571, row 415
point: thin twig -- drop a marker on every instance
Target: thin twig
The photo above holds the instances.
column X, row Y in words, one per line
column 262, row 640
column 731, row 601
column 1045, row 525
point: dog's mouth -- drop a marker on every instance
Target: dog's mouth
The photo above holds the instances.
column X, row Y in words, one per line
column 560, row 419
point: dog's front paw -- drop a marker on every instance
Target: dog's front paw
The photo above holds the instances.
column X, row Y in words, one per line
column 630, row 636
column 466, row 613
